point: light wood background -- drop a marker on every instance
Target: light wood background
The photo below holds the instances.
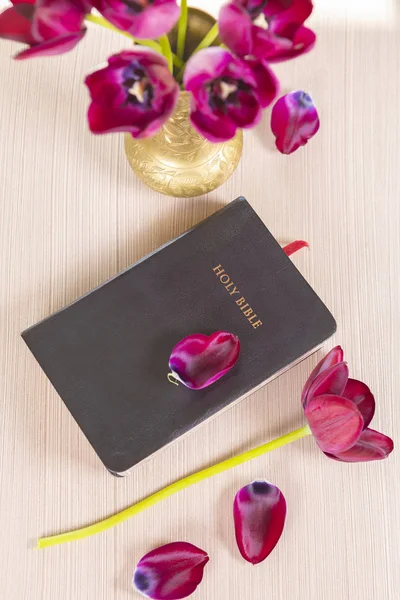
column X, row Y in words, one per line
column 72, row 215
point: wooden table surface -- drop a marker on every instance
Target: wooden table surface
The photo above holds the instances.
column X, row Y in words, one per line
column 72, row 214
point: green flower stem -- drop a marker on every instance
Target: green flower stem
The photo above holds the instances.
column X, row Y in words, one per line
column 207, row 40
column 166, row 51
column 182, row 28
column 178, row 62
column 179, row 485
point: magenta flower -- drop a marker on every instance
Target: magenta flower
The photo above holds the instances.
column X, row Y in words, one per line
column 259, row 513
column 271, row 29
column 170, row 572
column 339, row 410
column 294, row 120
column 141, row 18
column 227, row 92
column 135, row 92
column 48, row 27
column 199, row 360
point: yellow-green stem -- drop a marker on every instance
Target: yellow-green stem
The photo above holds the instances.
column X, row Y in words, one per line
column 166, row 50
column 179, row 485
column 207, row 40
column 182, row 28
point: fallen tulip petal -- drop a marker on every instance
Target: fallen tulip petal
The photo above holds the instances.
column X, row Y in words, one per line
column 335, row 422
column 332, row 358
column 199, row 360
column 259, row 512
column 361, row 395
column 170, row 572
column 331, row 381
column 294, row 120
column 372, row 445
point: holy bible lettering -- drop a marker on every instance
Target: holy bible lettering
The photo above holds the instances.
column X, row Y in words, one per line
column 229, row 285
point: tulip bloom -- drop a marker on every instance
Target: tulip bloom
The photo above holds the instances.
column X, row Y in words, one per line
column 270, row 30
column 141, row 18
column 294, row 120
column 170, row 572
column 135, row 92
column 48, row 27
column 199, row 360
column 228, row 93
column 339, row 410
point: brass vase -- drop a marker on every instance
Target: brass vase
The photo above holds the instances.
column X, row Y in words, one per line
column 178, row 161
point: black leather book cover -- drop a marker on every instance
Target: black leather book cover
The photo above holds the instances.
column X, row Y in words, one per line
column 107, row 353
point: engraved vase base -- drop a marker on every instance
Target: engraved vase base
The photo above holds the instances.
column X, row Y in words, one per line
column 178, row 161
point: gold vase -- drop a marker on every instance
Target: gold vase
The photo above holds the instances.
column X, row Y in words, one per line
column 178, row 161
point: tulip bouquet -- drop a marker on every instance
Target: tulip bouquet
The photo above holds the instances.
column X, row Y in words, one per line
column 137, row 91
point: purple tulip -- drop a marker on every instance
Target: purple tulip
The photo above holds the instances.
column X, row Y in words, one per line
column 339, row 410
column 48, row 27
column 199, row 360
column 170, row 572
column 227, row 92
column 272, row 30
column 135, row 92
column 259, row 513
column 294, row 120
column 141, row 18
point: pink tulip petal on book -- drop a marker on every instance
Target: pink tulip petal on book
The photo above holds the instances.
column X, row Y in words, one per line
column 294, row 120
column 170, row 572
column 199, row 360
column 335, row 422
column 359, row 393
column 332, row 358
column 259, row 512
column 371, row 445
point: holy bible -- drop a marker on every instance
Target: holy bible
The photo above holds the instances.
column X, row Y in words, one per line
column 107, row 353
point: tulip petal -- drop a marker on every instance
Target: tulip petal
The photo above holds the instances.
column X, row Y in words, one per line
column 361, row 395
column 294, row 120
column 303, row 41
column 199, row 360
column 52, row 47
column 372, row 445
column 331, row 381
column 141, row 19
column 15, row 26
column 266, row 82
column 335, row 422
column 285, row 17
column 170, row 572
column 259, row 512
column 236, row 29
column 332, row 358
